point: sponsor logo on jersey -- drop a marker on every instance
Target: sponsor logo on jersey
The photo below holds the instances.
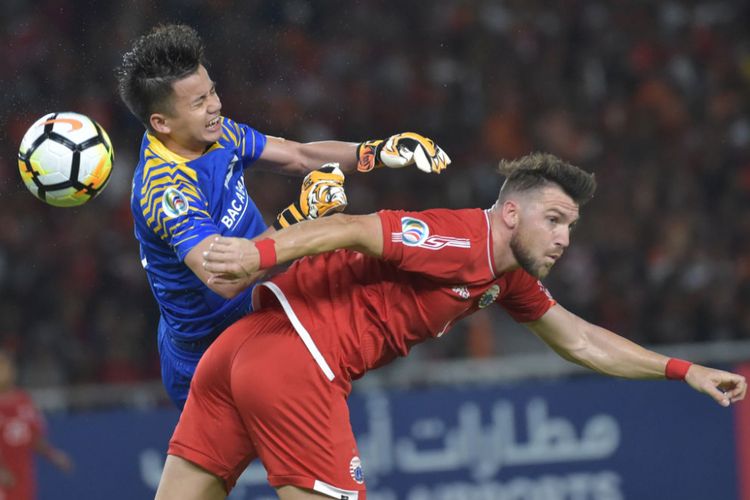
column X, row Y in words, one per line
column 237, row 206
column 355, row 470
column 416, row 233
column 489, row 296
column 413, row 231
column 174, row 203
column 435, row 242
column 230, row 171
column 461, row 291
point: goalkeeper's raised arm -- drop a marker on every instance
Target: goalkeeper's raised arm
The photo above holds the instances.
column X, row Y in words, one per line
column 397, row 151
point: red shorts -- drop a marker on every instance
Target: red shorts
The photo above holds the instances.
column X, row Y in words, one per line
column 258, row 393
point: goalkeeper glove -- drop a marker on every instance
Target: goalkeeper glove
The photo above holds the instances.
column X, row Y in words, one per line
column 322, row 194
column 401, row 150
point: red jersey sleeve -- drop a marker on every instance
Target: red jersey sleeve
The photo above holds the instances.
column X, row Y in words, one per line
column 525, row 299
column 443, row 245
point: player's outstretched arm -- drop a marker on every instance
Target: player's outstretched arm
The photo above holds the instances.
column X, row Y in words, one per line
column 56, row 456
column 400, row 150
column 601, row 350
column 231, row 260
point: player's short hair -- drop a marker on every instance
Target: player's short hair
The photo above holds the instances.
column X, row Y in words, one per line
column 538, row 170
column 155, row 61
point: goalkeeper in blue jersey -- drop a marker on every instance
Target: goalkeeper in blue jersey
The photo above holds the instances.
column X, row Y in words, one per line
column 188, row 187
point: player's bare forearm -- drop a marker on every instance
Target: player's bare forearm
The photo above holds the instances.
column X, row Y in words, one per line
column 621, row 357
column 362, row 233
column 595, row 347
column 294, row 158
column 57, row 457
column 606, row 352
column 317, row 153
column 614, row 355
column 237, row 258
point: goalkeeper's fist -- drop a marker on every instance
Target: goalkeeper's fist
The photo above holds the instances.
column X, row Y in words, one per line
column 322, row 194
column 401, row 150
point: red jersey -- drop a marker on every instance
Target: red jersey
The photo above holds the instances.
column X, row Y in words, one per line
column 437, row 267
column 21, row 425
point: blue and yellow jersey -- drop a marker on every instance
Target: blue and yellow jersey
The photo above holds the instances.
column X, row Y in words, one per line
column 176, row 203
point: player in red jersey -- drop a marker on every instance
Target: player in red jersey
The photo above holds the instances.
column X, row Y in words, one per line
column 21, row 435
column 274, row 385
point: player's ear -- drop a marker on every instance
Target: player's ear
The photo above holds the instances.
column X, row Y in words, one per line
column 159, row 124
column 510, row 211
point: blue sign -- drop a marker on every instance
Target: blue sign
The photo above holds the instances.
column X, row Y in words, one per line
column 587, row 438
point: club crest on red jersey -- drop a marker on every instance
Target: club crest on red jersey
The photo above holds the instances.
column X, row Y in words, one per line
column 355, row 470
column 489, row 296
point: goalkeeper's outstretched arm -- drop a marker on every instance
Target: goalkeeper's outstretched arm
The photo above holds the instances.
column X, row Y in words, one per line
column 396, row 151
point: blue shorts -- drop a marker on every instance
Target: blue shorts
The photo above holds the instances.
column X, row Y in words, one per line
column 177, row 367
column 179, row 359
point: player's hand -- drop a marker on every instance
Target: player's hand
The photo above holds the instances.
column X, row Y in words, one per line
column 61, row 460
column 322, row 194
column 231, row 260
column 402, row 150
column 725, row 387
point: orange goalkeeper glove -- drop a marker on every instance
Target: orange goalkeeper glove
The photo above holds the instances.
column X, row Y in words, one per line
column 401, row 150
column 322, row 194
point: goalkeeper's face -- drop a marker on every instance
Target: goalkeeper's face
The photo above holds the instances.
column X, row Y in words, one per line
column 546, row 217
column 194, row 121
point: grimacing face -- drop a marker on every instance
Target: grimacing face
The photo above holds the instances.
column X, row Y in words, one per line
column 194, row 120
column 542, row 234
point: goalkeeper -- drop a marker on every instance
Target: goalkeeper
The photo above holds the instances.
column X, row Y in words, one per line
column 189, row 187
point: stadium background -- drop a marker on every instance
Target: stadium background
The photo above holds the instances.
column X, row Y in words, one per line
column 651, row 96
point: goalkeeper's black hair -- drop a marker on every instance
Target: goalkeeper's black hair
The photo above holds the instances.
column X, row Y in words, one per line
column 538, row 170
column 155, row 61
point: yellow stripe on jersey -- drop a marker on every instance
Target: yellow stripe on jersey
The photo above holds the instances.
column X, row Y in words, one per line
column 156, row 179
column 180, row 242
column 160, row 218
column 180, row 227
column 161, row 230
column 227, row 134
column 160, row 150
column 159, row 173
column 244, row 146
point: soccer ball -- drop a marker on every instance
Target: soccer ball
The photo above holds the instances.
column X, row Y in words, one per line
column 65, row 159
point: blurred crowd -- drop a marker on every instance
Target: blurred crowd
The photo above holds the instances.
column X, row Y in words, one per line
column 654, row 97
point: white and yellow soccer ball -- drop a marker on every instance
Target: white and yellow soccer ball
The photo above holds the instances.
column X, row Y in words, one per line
column 65, row 159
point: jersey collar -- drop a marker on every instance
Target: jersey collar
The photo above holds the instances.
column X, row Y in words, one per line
column 167, row 154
